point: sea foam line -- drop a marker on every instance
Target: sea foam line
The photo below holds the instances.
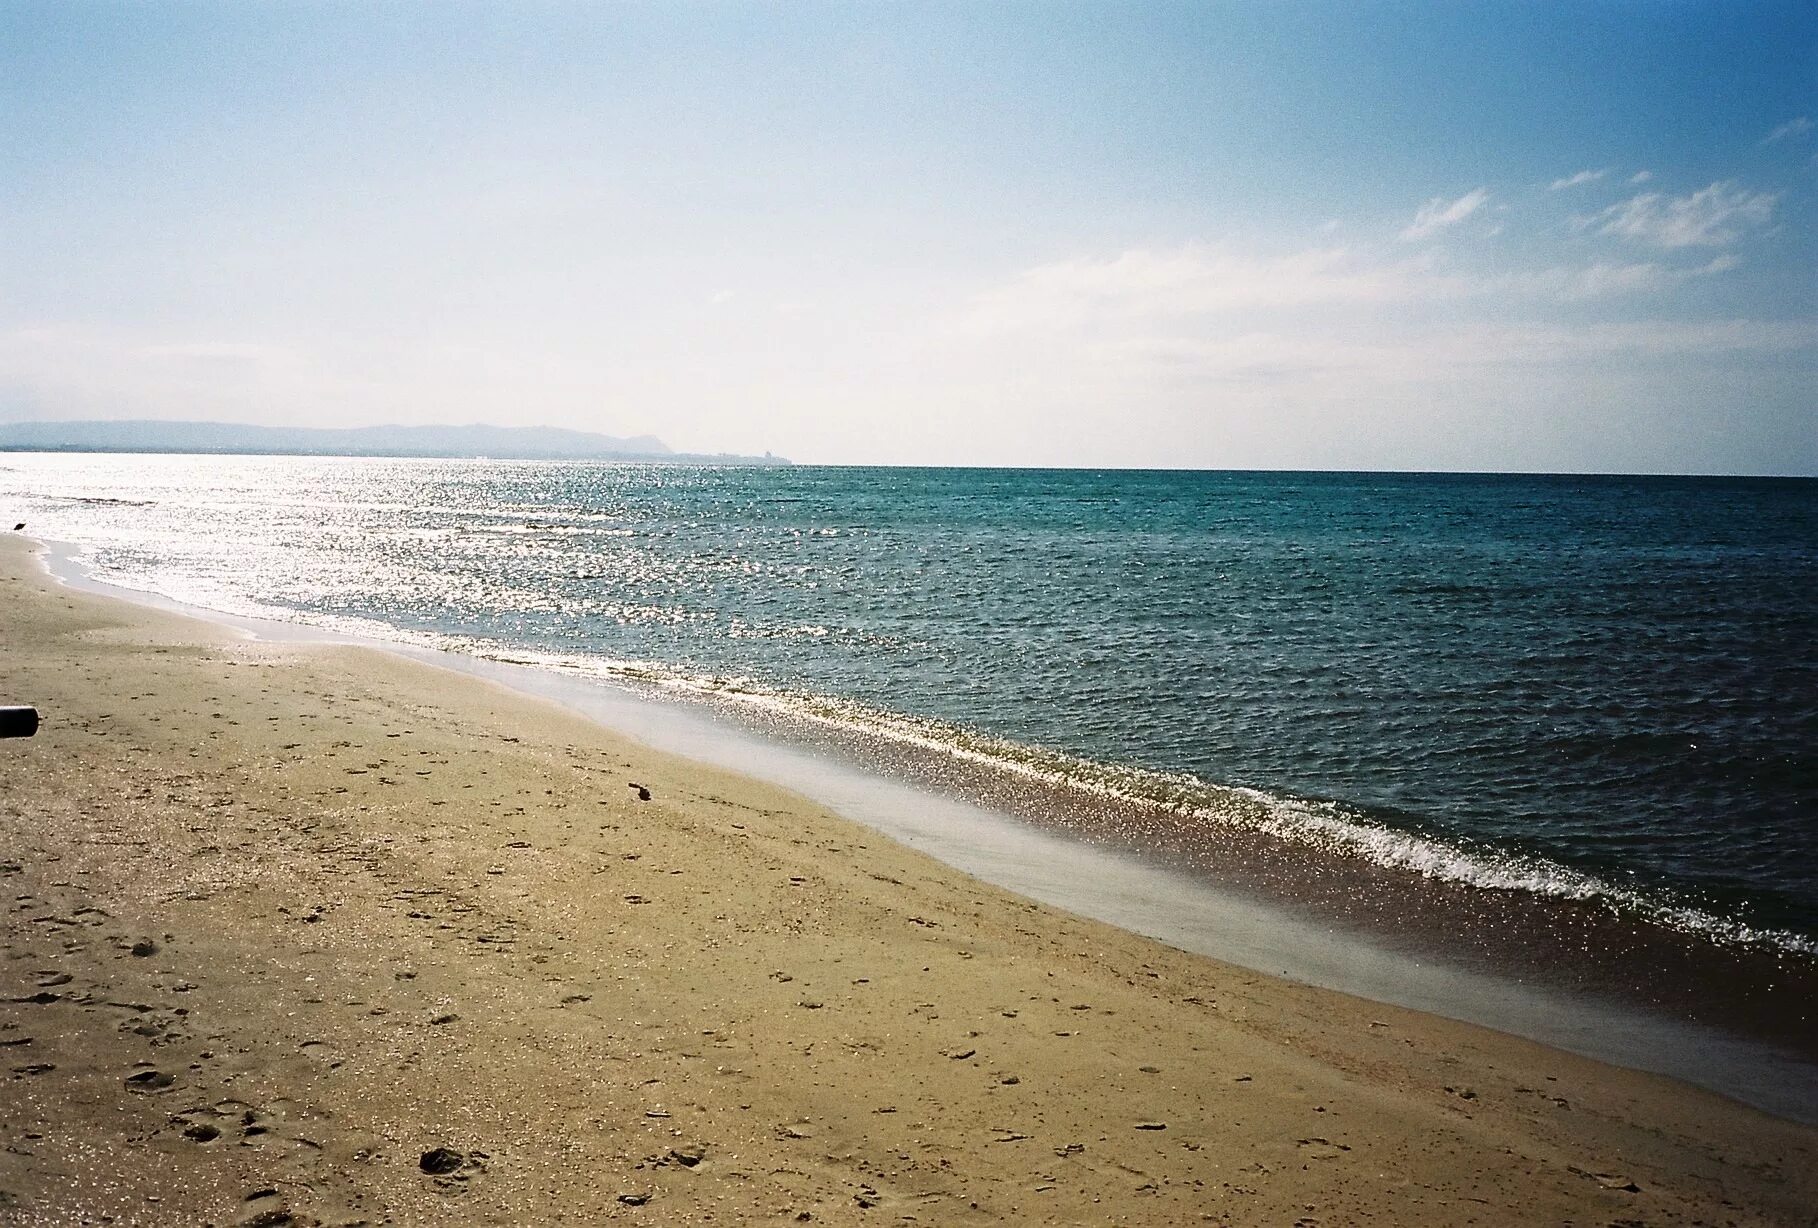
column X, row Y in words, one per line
column 1325, row 826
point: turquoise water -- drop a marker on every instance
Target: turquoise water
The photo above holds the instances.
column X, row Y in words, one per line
column 1588, row 688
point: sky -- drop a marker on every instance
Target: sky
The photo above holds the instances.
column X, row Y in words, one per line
column 1521, row 236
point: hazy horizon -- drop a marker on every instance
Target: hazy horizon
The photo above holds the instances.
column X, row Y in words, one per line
column 1306, row 236
column 743, row 458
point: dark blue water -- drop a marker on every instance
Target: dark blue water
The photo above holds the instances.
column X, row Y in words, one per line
column 1591, row 686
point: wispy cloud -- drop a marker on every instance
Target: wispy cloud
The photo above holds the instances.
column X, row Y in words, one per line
column 1327, row 362
column 1439, row 213
column 217, row 352
column 1274, row 359
column 1714, row 217
column 1243, row 358
column 1641, row 176
column 1601, row 280
column 1791, row 128
column 1194, row 279
column 1144, row 287
column 1578, row 180
column 1643, row 338
column 1329, row 321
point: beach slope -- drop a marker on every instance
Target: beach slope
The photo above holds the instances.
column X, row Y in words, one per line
column 302, row 935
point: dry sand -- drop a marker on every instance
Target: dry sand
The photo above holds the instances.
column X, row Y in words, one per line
column 281, row 920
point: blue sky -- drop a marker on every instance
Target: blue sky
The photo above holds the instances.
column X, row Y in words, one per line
column 1345, row 235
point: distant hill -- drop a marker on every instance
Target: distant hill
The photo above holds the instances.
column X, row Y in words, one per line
column 496, row 442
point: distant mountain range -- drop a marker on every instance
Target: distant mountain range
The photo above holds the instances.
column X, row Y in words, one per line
column 495, row 442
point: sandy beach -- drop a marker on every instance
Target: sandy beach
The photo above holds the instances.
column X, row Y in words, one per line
column 308, row 934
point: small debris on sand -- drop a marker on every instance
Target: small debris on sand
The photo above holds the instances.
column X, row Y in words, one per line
column 439, row 1161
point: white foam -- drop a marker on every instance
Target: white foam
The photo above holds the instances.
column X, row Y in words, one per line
column 1326, row 826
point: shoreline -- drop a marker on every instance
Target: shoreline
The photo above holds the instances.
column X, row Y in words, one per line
column 1580, row 980
column 288, row 919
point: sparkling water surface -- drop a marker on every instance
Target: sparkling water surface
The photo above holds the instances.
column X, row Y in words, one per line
column 1584, row 685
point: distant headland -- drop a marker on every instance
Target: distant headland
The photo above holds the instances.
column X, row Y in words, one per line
column 231, row 438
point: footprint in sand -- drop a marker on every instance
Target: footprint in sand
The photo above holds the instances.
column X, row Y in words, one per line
column 1322, row 1149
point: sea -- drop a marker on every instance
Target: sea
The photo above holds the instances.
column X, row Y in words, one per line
column 1557, row 729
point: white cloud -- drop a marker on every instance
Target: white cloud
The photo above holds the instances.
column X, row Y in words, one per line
column 1320, row 368
column 1714, row 217
column 218, row 352
column 1601, row 280
column 1439, row 213
column 1791, row 128
column 1323, row 323
column 1573, row 181
column 1144, row 288
column 1422, row 356
column 1641, row 176
column 1541, row 344
column 1243, row 358
column 1194, row 279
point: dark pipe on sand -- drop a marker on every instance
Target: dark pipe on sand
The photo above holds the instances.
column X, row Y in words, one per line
column 18, row 722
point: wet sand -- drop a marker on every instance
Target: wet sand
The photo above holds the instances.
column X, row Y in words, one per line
column 1759, row 994
column 285, row 924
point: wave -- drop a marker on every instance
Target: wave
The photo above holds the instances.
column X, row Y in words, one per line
column 1329, row 827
